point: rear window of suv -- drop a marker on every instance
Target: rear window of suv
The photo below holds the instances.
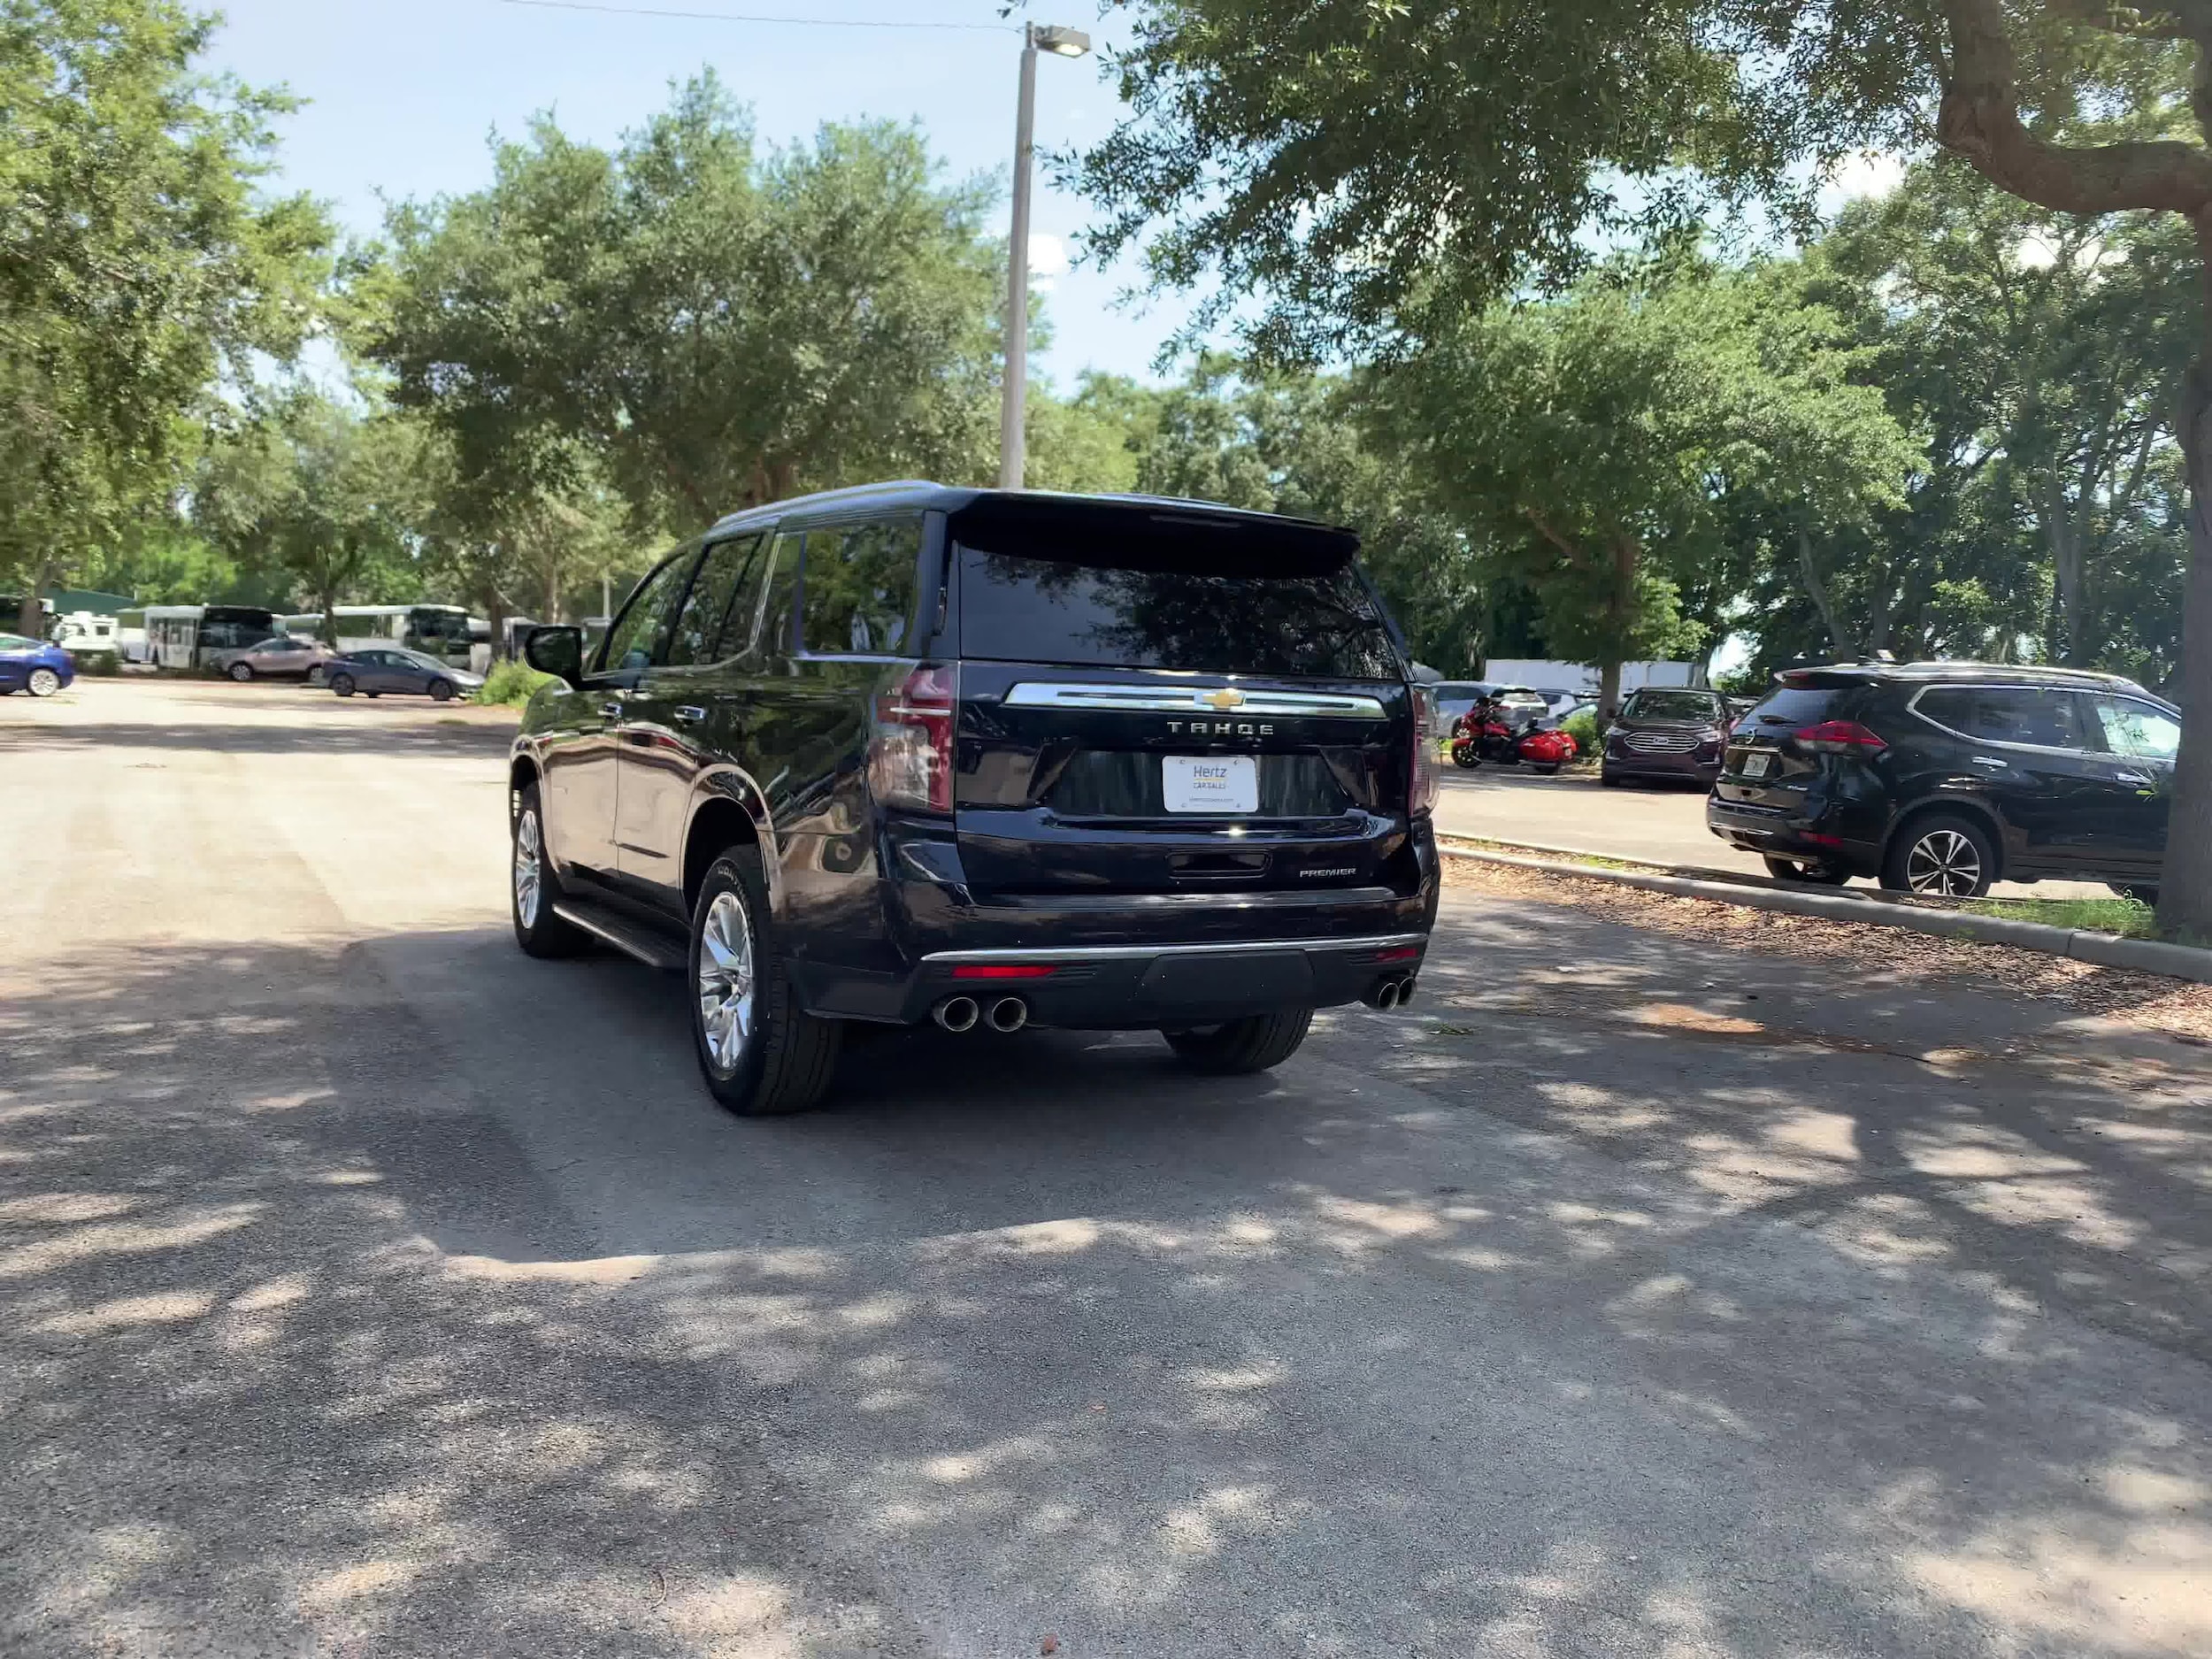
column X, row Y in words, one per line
column 1794, row 706
column 1096, row 613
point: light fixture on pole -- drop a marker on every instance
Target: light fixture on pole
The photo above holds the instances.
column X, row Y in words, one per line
column 1062, row 42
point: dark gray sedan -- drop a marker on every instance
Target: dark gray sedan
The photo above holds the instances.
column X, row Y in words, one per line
column 387, row 668
column 1667, row 733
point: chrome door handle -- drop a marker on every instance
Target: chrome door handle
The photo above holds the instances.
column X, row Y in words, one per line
column 1983, row 760
column 690, row 715
column 2131, row 777
column 611, row 711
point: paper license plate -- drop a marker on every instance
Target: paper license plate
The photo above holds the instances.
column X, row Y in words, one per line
column 1210, row 783
column 1755, row 765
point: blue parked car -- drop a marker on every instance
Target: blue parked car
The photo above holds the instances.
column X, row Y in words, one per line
column 33, row 665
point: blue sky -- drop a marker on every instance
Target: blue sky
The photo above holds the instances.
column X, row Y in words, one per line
column 404, row 94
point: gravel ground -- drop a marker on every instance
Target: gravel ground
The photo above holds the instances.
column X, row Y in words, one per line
column 2147, row 1002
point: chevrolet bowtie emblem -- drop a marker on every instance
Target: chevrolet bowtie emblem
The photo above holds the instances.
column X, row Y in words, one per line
column 1227, row 697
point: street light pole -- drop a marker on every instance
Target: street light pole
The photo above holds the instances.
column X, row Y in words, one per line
column 1063, row 43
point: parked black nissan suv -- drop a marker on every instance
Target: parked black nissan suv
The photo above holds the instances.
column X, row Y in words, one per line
column 1941, row 778
column 907, row 752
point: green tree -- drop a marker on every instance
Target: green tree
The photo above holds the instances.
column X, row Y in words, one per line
column 1384, row 172
column 1601, row 448
column 137, row 261
column 717, row 327
column 333, row 496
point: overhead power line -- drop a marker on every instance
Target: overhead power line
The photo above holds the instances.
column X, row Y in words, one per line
column 743, row 17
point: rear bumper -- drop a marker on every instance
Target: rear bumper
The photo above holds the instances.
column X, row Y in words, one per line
column 1130, row 961
column 1786, row 835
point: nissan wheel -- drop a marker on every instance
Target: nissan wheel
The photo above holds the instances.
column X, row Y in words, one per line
column 1943, row 858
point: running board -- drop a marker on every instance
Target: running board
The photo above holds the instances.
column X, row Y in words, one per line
column 653, row 948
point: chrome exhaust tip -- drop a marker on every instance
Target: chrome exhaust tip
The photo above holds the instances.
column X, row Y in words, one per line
column 1405, row 992
column 957, row 1013
column 1008, row 1014
column 1386, row 998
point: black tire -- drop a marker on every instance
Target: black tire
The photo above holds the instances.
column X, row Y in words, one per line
column 371, row 694
column 541, row 933
column 1610, row 779
column 1941, row 855
column 1805, row 870
column 342, row 683
column 441, row 691
column 1543, row 768
column 2142, row 893
column 786, row 1064
column 240, row 671
column 1466, row 759
column 1238, row 1047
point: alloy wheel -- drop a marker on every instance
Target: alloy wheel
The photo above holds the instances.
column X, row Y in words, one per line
column 44, row 682
column 1943, row 862
column 529, row 869
column 726, row 981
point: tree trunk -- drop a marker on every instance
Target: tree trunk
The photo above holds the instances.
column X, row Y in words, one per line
column 31, row 613
column 2065, row 538
column 1819, row 589
column 2185, row 891
column 1609, row 693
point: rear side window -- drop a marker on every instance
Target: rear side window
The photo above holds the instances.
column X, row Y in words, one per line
column 1016, row 608
column 2041, row 717
column 857, row 596
column 2137, row 730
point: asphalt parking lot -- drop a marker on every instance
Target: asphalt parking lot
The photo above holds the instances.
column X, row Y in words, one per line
column 368, row 1288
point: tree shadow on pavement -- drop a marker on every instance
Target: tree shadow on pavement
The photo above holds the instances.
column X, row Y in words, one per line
column 428, row 735
column 341, row 1311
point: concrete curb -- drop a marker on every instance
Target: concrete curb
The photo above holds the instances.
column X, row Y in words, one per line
column 2180, row 961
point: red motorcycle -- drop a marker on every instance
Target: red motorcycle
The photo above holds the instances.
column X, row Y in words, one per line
column 1491, row 739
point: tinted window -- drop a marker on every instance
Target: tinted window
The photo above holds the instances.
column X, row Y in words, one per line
column 699, row 635
column 2044, row 717
column 859, row 597
column 2137, row 730
column 16, row 643
column 1794, row 706
column 1036, row 609
column 641, row 630
column 773, row 592
column 1672, row 705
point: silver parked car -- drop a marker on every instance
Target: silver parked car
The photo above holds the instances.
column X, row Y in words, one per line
column 388, row 668
column 286, row 657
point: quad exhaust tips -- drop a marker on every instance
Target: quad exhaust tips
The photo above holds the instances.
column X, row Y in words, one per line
column 964, row 1013
column 1391, row 993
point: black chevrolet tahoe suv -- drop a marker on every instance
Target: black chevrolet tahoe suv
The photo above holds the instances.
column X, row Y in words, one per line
column 1942, row 778
column 910, row 752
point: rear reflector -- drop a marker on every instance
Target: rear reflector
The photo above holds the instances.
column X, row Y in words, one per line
column 1398, row 953
column 1821, row 841
column 1003, row 970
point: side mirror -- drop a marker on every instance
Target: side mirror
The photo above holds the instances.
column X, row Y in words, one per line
column 557, row 651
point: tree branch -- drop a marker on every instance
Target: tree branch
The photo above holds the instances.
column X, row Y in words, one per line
column 1979, row 121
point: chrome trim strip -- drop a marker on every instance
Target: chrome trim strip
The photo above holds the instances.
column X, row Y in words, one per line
column 1123, row 952
column 1194, row 700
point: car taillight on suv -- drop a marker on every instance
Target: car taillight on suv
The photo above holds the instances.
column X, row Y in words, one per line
column 1838, row 737
column 910, row 761
column 1421, row 795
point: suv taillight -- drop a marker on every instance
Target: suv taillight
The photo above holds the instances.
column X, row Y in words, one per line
column 1838, row 737
column 910, row 761
column 1421, row 793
